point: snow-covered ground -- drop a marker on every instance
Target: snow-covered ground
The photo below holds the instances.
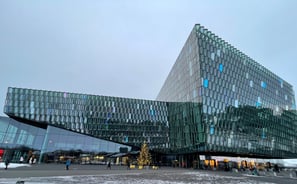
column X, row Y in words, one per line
column 14, row 165
column 138, row 178
column 162, row 176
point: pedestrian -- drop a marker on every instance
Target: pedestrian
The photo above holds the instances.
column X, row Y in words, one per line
column 31, row 160
column 34, row 161
column 108, row 165
column 21, row 159
column 128, row 164
column 255, row 171
column 68, row 162
column 276, row 168
column 6, row 163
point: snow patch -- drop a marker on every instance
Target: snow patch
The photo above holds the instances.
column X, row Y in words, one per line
column 14, row 165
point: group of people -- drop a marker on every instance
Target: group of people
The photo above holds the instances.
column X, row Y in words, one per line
column 32, row 160
column 68, row 163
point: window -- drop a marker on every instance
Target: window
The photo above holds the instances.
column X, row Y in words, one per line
column 236, row 103
column 190, row 68
column 221, row 67
column 258, row 103
column 194, row 93
column 263, row 84
column 219, row 52
column 212, row 56
column 251, row 83
column 281, row 83
column 259, row 99
column 205, row 83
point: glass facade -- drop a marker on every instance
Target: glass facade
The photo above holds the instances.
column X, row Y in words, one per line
column 215, row 101
column 122, row 120
column 15, row 135
column 21, row 139
column 238, row 106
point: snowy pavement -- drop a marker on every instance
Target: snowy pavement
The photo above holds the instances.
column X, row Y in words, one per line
column 92, row 174
column 14, row 165
column 139, row 178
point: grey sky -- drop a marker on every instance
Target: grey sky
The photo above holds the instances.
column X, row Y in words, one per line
column 127, row 48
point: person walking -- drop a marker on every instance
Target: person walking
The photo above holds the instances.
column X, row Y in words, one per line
column 31, row 160
column 6, row 163
column 108, row 165
column 68, row 162
column 276, row 168
column 128, row 164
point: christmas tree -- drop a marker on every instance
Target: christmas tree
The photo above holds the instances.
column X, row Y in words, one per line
column 144, row 155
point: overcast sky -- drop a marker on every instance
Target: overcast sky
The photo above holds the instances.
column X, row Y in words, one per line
column 127, row 48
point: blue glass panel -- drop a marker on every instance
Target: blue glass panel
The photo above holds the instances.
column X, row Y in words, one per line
column 205, row 83
column 263, row 84
column 211, row 130
column 221, row 67
column 152, row 112
column 258, row 104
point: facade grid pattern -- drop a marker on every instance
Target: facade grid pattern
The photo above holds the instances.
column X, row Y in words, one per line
column 244, row 108
column 122, row 120
column 215, row 101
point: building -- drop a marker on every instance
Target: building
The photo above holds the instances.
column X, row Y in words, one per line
column 27, row 139
column 225, row 103
column 215, row 101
